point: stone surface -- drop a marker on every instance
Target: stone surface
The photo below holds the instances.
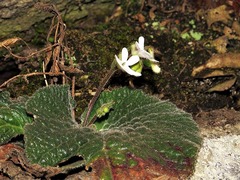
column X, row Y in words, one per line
column 219, row 158
column 20, row 15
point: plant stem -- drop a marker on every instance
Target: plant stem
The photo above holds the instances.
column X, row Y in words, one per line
column 103, row 83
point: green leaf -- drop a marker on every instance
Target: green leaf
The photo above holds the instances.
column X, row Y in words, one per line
column 52, row 102
column 139, row 131
column 13, row 117
column 55, row 135
column 4, row 98
column 144, row 127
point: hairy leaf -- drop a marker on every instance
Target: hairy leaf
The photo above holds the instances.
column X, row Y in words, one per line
column 4, row 98
column 13, row 117
column 55, row 135
column 139, row 131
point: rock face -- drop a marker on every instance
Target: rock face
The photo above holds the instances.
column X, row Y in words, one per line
column 219, row 158
column 20, row 15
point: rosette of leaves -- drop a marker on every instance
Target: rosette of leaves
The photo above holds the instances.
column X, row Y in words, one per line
column 13, row 117
column 134, row 134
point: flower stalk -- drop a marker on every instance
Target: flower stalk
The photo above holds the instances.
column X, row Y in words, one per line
column 132, row 65
column 98, row 92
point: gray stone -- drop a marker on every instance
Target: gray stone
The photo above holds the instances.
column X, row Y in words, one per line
column 219, row 158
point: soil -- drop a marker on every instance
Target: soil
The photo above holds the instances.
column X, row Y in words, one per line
column 94, row 48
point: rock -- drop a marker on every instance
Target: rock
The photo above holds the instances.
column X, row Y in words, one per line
column 20, row 15
column 219, row 158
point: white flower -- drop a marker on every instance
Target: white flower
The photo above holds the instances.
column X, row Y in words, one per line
column 125, row 63
column 142, row 52
column 155, row 68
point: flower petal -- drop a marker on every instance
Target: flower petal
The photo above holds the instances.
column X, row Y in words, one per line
column 144, row 54
column 125, row 67
column 141, row 42
column 124, row 55
column 131, row 72
column 155, row 68
column 119, row 62
column 132, row 60
column 153, row 60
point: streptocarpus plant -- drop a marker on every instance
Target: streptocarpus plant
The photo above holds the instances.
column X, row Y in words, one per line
column 124, row 134
column 132, row 65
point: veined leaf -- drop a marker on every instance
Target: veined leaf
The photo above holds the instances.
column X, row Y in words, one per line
column 4, row 98
column 140, row 131
column 55, row 135
column 13, row 117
